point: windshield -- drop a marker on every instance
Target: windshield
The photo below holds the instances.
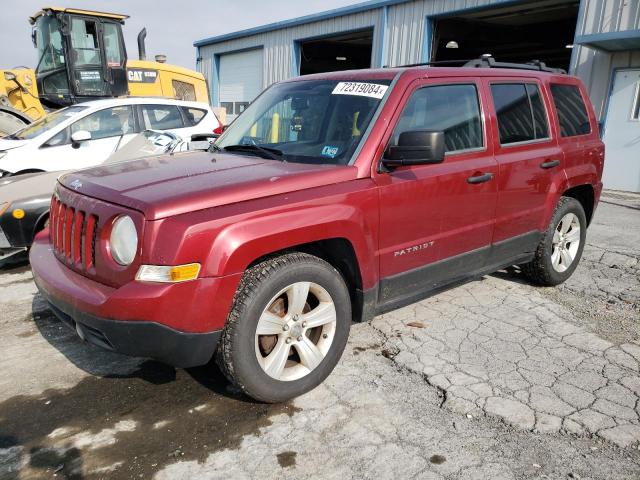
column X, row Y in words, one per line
column 314, row 121
column 46, row 123
column 49, row 44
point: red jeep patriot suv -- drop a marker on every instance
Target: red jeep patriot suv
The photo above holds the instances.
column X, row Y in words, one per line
column 332, row 198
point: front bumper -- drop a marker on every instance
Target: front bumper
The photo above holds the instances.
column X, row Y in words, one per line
column 139, row 339
column 179, row 324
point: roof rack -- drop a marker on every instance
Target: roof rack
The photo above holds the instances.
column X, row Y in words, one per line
column 487, row 61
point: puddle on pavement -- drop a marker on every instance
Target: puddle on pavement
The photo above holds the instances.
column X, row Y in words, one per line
column 287, row 459
column 166, row 415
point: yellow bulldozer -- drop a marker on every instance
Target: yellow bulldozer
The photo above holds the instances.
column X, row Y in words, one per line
column 82, row 56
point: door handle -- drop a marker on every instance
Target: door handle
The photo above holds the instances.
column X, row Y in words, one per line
column 550, row 164
column 485, row 177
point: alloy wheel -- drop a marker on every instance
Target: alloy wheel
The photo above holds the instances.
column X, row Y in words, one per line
column 565, row 243
column 295, row 331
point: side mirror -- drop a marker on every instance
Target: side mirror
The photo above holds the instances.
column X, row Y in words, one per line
column 199, row 145
column 78, row 137
column 417, row 147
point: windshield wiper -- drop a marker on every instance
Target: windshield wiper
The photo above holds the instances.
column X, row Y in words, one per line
column 267, row 152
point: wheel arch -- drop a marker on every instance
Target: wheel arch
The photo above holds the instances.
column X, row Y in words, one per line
column 339, row 253
column 584, row 194
column 337, row 233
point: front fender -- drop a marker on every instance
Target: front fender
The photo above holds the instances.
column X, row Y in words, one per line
column 240, row 244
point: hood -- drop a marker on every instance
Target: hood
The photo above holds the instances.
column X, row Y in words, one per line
column 8, row 144
column 20, row 187
column 169, row 185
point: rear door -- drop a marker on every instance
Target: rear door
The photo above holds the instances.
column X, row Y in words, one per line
column 436, row 221
column 528, row 157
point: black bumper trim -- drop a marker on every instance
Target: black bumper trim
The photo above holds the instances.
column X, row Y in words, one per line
column 139, row 338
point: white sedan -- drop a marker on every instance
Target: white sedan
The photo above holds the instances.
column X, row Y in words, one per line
column 86, row 134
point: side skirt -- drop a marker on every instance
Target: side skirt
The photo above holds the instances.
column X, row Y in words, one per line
column 415, row 285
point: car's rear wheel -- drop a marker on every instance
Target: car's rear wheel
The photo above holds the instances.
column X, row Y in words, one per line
column 561, row 246
column 287, row 328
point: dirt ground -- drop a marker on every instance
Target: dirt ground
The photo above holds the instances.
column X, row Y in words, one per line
column 494, row 379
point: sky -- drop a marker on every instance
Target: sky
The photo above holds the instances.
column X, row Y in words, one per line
column 172, row 26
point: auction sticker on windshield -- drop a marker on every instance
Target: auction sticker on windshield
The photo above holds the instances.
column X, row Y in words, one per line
column 360, row 89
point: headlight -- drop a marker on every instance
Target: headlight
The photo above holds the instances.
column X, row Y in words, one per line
column 124, row 240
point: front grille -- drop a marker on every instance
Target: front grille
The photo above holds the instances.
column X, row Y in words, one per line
column 73, row 234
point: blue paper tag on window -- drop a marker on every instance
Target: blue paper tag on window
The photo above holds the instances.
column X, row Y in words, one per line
column 329, row 151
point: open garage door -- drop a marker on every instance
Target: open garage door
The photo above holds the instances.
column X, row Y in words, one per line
column 542, row 30
column 346, row 51
column 240, row 81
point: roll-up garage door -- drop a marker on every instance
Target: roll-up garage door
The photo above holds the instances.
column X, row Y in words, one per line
column 240, row 80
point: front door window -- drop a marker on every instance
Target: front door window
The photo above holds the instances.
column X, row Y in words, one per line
column 109, row 122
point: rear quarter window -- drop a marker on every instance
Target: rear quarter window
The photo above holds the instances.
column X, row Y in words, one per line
column 572, row 112
column 193, row 116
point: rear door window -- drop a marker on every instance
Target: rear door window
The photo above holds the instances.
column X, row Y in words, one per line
column 520, row 112
column 452, row 109
column 540, row 122
column 162, row 117
column 572, row 112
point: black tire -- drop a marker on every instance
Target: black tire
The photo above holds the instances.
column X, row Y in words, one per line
column 540, row 270
column 236, row 355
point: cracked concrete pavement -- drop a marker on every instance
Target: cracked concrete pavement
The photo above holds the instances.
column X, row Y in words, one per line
column 542, row 359
column 495, row 379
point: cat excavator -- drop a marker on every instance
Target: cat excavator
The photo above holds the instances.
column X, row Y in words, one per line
column 82, row 56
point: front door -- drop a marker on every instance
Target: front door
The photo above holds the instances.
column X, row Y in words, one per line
column 436, row 221
column 110, row 129
column 622, row 133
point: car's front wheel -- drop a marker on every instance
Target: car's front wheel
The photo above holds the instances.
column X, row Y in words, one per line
column 287, row 328
column 561, row 246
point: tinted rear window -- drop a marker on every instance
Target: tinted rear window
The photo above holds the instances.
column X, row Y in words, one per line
column 539, row 114
column 572, row 113
column 514, row 113
column 520, row 111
